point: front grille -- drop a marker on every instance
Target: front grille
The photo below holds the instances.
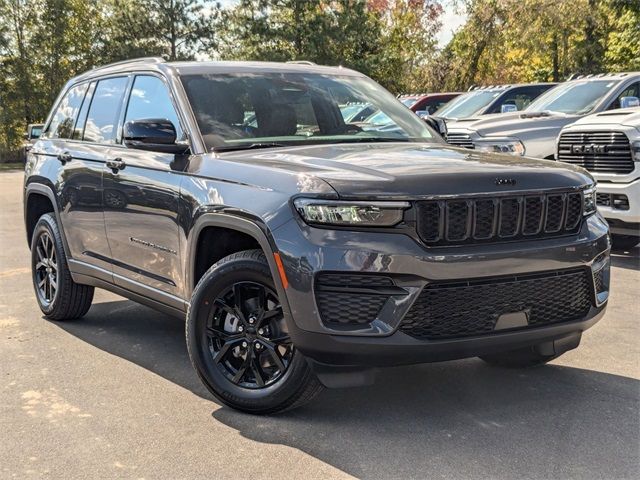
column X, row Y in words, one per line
column 601, row 152
column 452, row 310
column 345, row 299
column 450, row 222
column 459, row 140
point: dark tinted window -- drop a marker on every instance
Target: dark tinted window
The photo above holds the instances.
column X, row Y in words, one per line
column 102, row 120
column 150, row 99
column 61, row 125
column 82, row 116
column 521, row 97
column 632, row 90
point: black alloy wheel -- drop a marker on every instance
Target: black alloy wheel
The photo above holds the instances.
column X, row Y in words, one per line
column 46, row 269
column 239, row 341
column 247, row 335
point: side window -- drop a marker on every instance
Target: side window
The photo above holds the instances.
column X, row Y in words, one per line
column 102, row 119
column 150, row 99
column 61, row 125
column 520, row 97
column 632, row 90
column 82, row 116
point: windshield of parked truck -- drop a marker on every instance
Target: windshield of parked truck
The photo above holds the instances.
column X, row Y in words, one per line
column 575, row 97
column 468, row 105
column 249, row 110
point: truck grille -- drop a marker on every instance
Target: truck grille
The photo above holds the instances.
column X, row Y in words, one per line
column 459, row 140
column 600, row 152
column 478, row 220
column 452, row 310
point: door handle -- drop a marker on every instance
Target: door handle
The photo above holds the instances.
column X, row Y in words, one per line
column 64, row 157
column 116, row 164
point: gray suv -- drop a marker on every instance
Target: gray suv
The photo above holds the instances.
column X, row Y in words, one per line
column 304, row 251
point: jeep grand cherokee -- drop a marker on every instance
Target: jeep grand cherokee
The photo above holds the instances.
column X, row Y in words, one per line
column 304, row 251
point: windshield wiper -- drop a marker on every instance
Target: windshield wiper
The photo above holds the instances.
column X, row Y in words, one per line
column 372, row 139
column 251, row 146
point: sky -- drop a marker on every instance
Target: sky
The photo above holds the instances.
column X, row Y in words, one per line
column 451, row 20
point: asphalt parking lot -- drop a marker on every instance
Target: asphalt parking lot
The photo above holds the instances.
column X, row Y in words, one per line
column 114, row 396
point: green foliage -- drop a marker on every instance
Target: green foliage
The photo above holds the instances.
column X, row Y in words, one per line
column 45, row 42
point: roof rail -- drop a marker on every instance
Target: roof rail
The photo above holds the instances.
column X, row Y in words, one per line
column 131, row 61
column 301, row 62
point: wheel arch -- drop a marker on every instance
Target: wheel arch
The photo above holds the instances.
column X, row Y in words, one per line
column 250, row 227
column 36, row 194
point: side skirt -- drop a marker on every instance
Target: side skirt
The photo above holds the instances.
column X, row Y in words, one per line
column 86, row 274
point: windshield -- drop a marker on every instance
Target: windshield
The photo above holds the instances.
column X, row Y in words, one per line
column 467, row 105
column 574, row 97
column 409, row 101
column 264, row 109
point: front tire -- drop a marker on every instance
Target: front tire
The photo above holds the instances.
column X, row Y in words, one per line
column 59, row 297
column 238, row 339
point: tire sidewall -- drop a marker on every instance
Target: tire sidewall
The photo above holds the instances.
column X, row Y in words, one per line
column 213, row 282
column 44, row 226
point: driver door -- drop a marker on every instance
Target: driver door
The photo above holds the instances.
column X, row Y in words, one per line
column 141, row 199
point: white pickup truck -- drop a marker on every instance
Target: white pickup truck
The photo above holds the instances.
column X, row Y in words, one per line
column 608, row 145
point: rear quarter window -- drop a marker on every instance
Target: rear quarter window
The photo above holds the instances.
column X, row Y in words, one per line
column 64, row 118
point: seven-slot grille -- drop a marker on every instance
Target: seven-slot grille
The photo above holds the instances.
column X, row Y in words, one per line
column 450, row 222
column 602, row 152
column 459, row 140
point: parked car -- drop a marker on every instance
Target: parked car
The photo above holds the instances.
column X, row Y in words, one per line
column 302, row 250
column 608, row 145
column 31, row 135
column 427, row 103
column 534, row 131
column 493, row 99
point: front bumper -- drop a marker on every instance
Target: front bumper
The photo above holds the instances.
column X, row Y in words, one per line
column 307, row 252
column 624, row 221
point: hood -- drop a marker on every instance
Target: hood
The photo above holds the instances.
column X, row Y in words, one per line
column 628, row 117
column 513, row 124
column 405, row 170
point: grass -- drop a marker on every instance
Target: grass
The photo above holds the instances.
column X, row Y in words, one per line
column 11, row 166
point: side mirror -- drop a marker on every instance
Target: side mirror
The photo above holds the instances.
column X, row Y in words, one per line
column 628, row 102
column 152, row 134
column 438, row 124
column 508, row 108
column 25, row 136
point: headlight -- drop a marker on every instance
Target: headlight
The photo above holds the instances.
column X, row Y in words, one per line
column 500, row 145
column 635, row 148
column 589, row 196
column 343, row 213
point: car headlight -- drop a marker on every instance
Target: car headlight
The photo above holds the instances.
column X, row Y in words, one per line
column 500, row 145
column 635, row 148
column 589, row 195
column 345, row 213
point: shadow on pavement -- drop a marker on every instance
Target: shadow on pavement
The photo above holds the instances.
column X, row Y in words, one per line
column 629, row 259
column 459, row 419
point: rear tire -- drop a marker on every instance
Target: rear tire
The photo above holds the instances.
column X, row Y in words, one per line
column 624, row 242
column 59, row 297
column 521, row 358
column 238, row 339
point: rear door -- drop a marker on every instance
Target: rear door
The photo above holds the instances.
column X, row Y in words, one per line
column 80, row 179
column 142, row 198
